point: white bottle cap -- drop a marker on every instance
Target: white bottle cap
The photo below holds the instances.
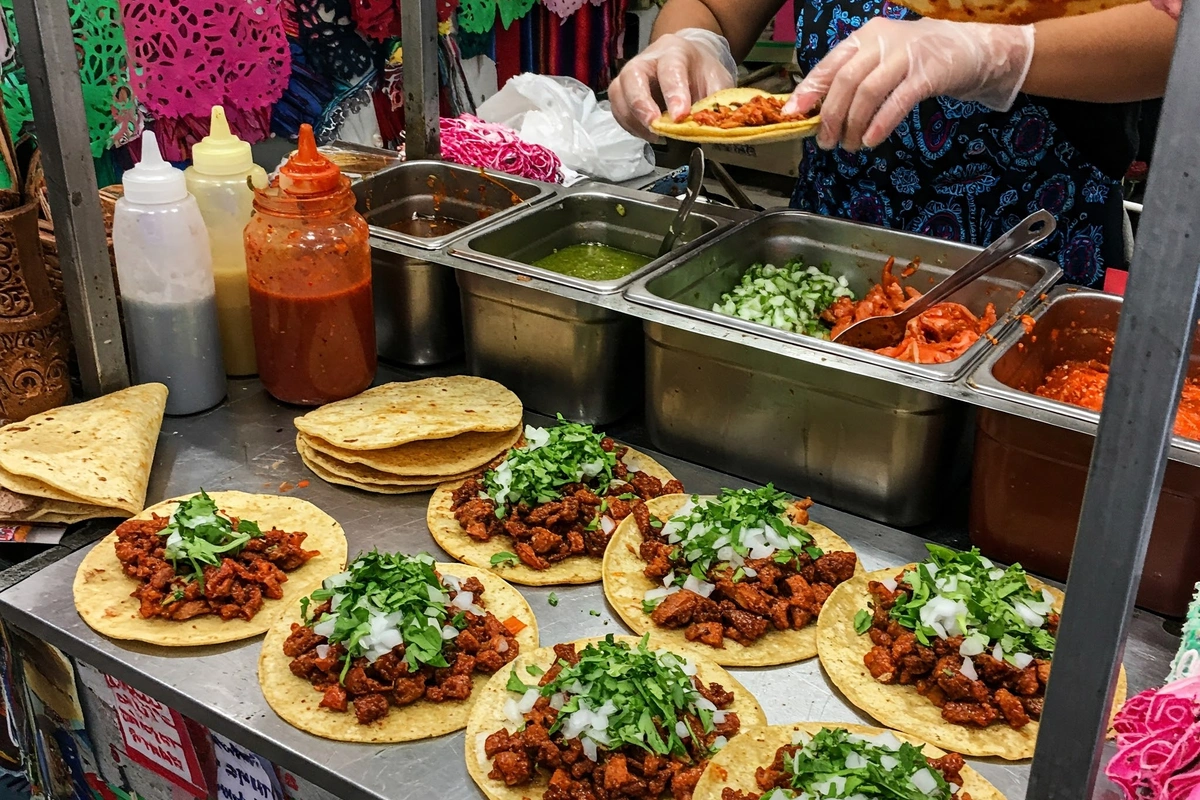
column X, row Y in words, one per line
column 153, row 181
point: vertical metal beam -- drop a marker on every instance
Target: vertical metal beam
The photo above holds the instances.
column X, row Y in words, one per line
column 422, row 105
column 1149, row 362
column 47, row 48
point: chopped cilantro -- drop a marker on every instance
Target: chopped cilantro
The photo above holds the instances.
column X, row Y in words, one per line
column 551, row 459
column 504, row 559
column 646, row 690
column 737, row 525
column 992, row 605
column 552, row 599
column 862, row 621
column 515, row 684
column 404, row 590
column 884, row 766
column 648, row 606
column 199, row 534
column 594, row 613
column 535, row 670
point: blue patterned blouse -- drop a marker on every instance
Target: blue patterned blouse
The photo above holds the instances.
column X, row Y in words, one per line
column 958, row 170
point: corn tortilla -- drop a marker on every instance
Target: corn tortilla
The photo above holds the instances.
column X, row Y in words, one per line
column 96, row 453
column 330, row 477
column 1011, row 12
column 842, row 650
column 734, row 767
column 625, row 585
column 102, row 590
column 398, row 413
column 488, row 715
column 451, row 537
column 689, row 131
column 445, row 458
column 362, row 474
column 298, row 703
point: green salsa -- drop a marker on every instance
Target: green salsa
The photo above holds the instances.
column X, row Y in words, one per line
column 593, row 261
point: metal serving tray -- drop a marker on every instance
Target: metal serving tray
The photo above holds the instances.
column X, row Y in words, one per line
column 1029, row 476
column 633, row 221
column 692, row 282
column 465, row 194
column 417, row 317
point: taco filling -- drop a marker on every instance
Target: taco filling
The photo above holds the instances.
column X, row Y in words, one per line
column 974, row 639
column 755, row 112
column 391, row 631
column 835, row 763
column 200, row 561
column 559, row 496
column 611, row 721
column 737, row 566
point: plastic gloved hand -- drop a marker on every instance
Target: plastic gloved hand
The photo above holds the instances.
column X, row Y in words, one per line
column 871, row 80
column 680, row 68
column 1171, row 7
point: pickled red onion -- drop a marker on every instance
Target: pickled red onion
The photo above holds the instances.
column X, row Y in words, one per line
column 1158, row 743
column 472, row 142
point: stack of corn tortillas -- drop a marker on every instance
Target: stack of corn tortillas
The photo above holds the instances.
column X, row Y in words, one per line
column 409, row 437
column 81, row 461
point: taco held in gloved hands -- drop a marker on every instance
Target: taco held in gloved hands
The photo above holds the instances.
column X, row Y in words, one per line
column 738, row 116
column 603, row 718
column 396, row 648
column 954, row 650
column 544, row 515
column 739, row 578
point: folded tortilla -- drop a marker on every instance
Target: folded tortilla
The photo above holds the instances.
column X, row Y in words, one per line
column 690, row 131
column 842, row 650
column 298, row 703
column 625, row 585
column 451, row 537
column 734, row 767
column 448, row 458
column 90, row 459
column 488, row 715
column 103, row 590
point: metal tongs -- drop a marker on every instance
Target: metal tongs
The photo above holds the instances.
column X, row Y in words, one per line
column 876, row 333
column 694, row 183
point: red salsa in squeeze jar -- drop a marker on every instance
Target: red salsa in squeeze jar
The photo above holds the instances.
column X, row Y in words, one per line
column 308, row 260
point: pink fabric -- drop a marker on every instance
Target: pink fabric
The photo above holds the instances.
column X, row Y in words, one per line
column 565, row 8
column 470, row 141
column 189, row 55
column 1158, row 744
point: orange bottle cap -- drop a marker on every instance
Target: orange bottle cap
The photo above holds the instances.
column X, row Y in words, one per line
column 308, row 173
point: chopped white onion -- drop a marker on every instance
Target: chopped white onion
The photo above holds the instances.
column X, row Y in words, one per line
column 325, row 627
column 481, row 747
column 886, row 740
column 463, row 600
column 322, row 651
column 996, row 574
column 889, row 763
column 669, row 578
column 702, row 588
column 924, row 781
column 436, row 595
column 527, row 700
column 1028, row 615
column 453, row 582
column 688, row 667
column 704, row 704
column 607, row 525
column 589, row 748
column 502, row 647
column 512, row 713
column 719, row 743
column 535, row 438
column 998, row 652
column 855, row 761
column 972, row 646
column 890, row 584
column 1022, row 660
column 450, row 632
column 558, row 700
column 750, row 572
column 968, row 669
column 681, row 730
column 719, row 716
column 332, row 582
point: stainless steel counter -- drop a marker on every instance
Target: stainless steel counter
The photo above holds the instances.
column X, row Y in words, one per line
column 247, row 444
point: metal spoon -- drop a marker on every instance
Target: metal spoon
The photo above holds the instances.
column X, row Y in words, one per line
column 695, row 181
column 876, row 333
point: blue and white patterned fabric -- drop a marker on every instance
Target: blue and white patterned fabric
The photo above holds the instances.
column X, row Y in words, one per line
column 958, row 170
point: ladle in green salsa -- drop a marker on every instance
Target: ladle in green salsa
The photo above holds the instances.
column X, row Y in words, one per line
column 593, row 261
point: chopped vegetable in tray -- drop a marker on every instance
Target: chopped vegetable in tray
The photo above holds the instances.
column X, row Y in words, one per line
column 790, row 298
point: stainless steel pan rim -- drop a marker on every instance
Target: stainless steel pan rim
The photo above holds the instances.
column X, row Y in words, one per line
column 640, row 293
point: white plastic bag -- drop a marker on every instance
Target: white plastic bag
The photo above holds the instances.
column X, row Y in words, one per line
column 564, row 115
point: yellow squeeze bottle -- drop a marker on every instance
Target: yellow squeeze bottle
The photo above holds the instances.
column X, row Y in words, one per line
column 221, row 163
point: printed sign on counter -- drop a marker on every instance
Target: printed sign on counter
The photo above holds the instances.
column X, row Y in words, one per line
column 242, row 775
column 156, row 738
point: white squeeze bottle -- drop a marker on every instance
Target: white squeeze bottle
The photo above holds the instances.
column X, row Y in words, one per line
column 167, row 293
column 221, row 164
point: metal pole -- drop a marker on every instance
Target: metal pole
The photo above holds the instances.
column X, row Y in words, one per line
column 422, row 106
column 47, row 47
column 1149, row 362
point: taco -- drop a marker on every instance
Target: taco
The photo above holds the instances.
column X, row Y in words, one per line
column 1008, row 12
column 545, row 513
column 816, row 760
column 954, row 650
column 738, row 116
column 611, row 714
column 738, row 578
column 394, row 649
column 205, row 569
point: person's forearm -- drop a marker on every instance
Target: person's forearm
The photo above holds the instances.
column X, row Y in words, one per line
column 1118, row 55
column 739, row 21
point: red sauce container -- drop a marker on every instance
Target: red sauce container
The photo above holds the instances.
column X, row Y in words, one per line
column 308, row 260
